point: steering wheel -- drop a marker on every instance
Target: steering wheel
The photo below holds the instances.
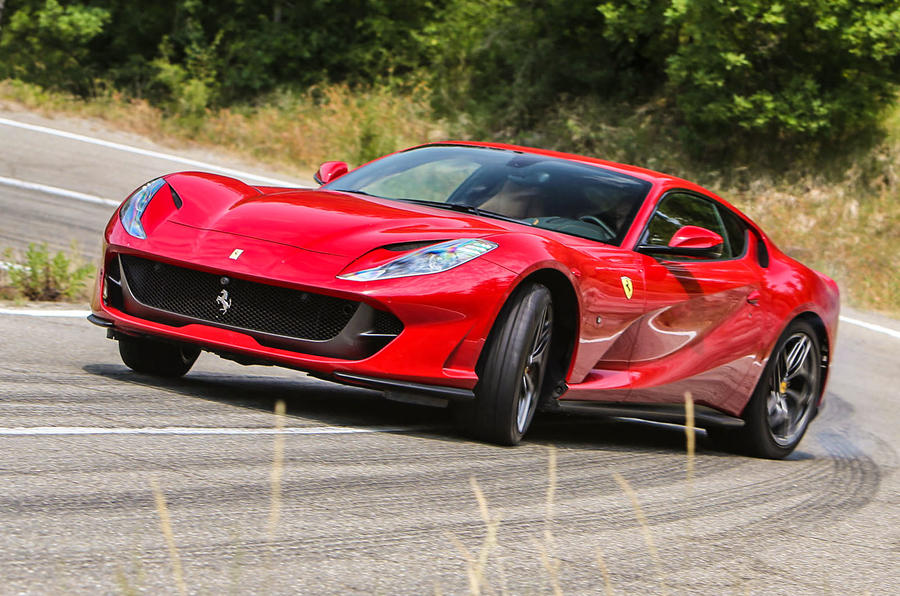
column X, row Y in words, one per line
column 593, row 219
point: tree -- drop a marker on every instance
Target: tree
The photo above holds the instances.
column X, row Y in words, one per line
column 47, row 43
column 793, row 71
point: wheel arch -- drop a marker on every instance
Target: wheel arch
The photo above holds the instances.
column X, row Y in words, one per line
column 565, row 324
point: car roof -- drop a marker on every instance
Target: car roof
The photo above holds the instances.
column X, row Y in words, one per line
column 637, row 172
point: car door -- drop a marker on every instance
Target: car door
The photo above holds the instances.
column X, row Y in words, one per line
column 700, row 331
column 612, row 290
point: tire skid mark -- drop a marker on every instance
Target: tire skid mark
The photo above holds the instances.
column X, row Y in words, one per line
column 362, row 491
column 620, row 516
column 845, row 480
column 813, row 489
column 851, row 482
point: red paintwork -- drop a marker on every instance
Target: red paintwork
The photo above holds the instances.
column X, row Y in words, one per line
column 695, row 237
column 330, row 170
column 688, row 326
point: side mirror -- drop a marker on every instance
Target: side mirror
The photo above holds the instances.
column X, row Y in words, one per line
column 330, row 170
column 695, row 237
column 689, row 241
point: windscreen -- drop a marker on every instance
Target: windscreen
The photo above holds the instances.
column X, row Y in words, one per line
column 545, row 192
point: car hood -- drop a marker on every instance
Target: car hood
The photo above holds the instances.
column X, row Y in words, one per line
column 329, row 222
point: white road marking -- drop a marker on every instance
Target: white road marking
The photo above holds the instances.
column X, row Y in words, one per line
column 36, row 312
column 184, row 430
column 60, row 192
column 872, row 327
column 146, row 152
column 4, row 266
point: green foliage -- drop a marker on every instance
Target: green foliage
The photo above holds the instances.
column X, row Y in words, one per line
column 506, row 61
column 47, row 43
column 790, row 71
column 42, row 276
column 190, row 86
column 735, row 73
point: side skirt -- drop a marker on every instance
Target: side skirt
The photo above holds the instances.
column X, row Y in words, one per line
column 674, row 413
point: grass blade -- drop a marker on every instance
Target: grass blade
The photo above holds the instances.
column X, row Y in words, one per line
column 645, row 527
column 277, row 470
column 166, row 526
column 691, row 434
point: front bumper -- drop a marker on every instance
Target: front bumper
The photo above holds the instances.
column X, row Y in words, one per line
column 445, row 317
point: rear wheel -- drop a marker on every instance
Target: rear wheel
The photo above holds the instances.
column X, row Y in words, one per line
column 154, row 357
column 785, row 398
column 513, row 369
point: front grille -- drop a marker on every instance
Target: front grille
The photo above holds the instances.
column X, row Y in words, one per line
column 247, row 305
column 386, row 324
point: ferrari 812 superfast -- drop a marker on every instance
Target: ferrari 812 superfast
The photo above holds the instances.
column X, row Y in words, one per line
column 495, row 280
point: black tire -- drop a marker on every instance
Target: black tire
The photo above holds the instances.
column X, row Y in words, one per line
column 784, row 401
column 156, row 357
column 512, row 369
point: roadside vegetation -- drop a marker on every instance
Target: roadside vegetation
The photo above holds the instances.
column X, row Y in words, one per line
column 37, row 274
column 788, row 110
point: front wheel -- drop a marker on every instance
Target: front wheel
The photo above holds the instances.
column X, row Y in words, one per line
column 513, row 369
column 785, row 399
column 154, row 357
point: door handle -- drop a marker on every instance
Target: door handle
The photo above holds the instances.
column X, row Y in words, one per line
column 753, row 297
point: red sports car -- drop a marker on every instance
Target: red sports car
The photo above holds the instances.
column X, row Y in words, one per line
column 495, row 279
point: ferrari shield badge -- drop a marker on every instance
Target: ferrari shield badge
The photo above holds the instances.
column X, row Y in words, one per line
column 627, row 286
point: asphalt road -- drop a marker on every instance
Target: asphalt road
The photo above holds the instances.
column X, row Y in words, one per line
column 103, row 173
column 377, row 497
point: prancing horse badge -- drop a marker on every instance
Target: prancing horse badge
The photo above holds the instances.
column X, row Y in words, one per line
column 627, row 286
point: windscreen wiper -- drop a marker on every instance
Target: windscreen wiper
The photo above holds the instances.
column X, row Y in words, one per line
column 463, row 209
column 357, row 192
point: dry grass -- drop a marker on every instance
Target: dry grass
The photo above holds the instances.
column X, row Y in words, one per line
column 548, row 546
column 166, row 527
column 477, row 566
column 324, row 123
column 292, row 131
column 277, row 470
column 690, row 436
column 846, row 229
column 645, row 528
column 839, row 214
column 604, row 571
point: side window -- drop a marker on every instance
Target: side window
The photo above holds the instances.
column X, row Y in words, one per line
column 762, row 253
column 680, row 209
column 736, row 241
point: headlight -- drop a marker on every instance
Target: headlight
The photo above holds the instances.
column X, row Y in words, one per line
column 134, row 207
column 431, row 259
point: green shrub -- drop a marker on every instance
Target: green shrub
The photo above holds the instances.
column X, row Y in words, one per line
column 737, row 73
column 42, row 276
column 47, row 43
column 505, row 62
column 791, row 72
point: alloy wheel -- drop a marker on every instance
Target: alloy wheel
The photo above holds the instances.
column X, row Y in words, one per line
column 533, row 372
column 792, row 386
